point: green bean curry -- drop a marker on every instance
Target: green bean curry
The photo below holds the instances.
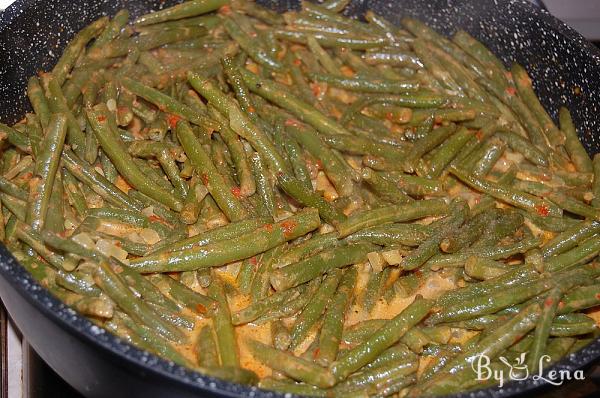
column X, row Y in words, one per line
column 305, row 202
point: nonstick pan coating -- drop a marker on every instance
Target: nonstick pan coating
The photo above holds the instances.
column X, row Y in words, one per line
column 565, row 69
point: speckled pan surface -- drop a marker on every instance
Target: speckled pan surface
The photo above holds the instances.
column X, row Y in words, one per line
column 566, row 70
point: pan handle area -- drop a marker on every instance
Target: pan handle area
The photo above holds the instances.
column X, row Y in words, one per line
column 540, row 4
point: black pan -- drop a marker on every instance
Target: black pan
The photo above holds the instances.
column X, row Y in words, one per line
column 565, row 68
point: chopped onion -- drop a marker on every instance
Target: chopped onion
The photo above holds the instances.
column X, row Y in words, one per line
column 376, row 261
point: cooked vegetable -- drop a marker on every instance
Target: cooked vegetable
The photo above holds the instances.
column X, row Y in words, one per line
column 267, row 199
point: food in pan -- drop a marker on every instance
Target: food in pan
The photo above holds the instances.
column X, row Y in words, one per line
column 305, row 202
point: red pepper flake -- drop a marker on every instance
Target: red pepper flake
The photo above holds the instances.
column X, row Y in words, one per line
column 101, row 118
column 317, row 352
column 477, row 200
column 419, row 274
column 236, row 191
column 200, row 309
column 288, row 227
column 154, row 218
column 172, row 120
column 517, row 339
column 291, row 122
column 561, row 304
column 319, row 164
column 118, row 244
column 225, row 10
column 253, row 260
column 268, row 227
column 389, row 116
column 542, row 210
column 316, row 89
column 297, row 62
column 597, row 296
column 204, row 177
column 548, row 302
column 479, row 135
column 511, row 91
column 251, row 109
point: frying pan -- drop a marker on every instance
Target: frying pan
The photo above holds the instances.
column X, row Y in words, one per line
column 565, row 68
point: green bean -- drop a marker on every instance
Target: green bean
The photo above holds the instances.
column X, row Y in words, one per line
column 414, row 185
column 211, row 178
column 484, row 268
column 469, row 232
column 194, row 301
column 319, row 264
column 37, row 98
column 256, row 52
column 226, row 339
column 112, row 29
column 280, row 335
column 583, row 252
column 238, row 154
column 511, row 196
column 576, row 151
column 524, row 85
column 381, row 340
column 191, row 204
column 371, row 380
column 315, row 308
column 297, row 191
column 121, row 46
column 220, row 253
column 264, row 188
column 58, row 104
column 279, row 95
column 114, row 286
column 364, row 85
column 75, row 48
column 579, row 299
column 260, row 285
column 446, row 227
column 206, row 349
column 426, row 144
column 332, row 40
column 573, row 205
column 596, row 181
column 106, row 135
column 334, row 169
column 494, row 68
column 259, row 308
column 474, row 306
column 296, row 368
column 398, row 213
column 523, row 146
column 46, row 167
column 11, row 189
column 333, row 321
column 447, row 151
column 169, row 104
column 435, row 67
column 296, row 157
column 239, row 122
column 392, row 234
column 542, row 330
column 366, row 146
column 322, row 56
column 385, row 189
column 490, row 346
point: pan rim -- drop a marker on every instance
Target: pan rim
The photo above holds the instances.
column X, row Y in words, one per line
column 66, row 318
